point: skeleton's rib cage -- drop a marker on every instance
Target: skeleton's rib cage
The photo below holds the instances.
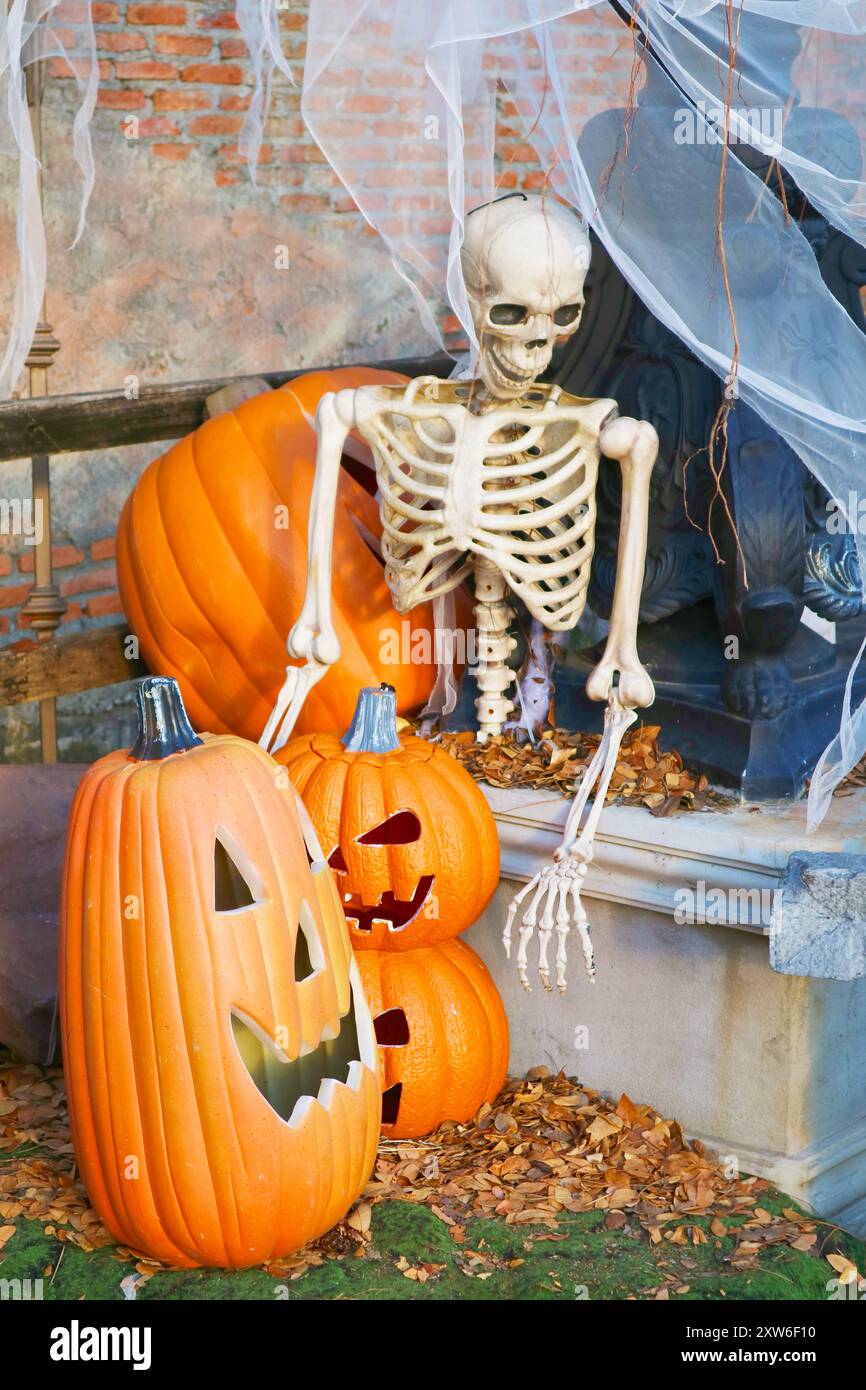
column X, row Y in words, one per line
column 514, row 485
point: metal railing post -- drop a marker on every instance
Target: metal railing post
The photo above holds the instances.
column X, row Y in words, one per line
column 44, row 607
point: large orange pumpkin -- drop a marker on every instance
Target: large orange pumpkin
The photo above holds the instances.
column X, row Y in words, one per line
column 220, row 1057
column 408, row 833
column 212, row 563
column 442, row 1032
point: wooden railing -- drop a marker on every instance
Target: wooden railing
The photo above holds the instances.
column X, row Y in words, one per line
column 50, row 425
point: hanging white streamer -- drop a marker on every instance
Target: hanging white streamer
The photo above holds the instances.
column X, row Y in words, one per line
column 258, row 21
column 30, row 31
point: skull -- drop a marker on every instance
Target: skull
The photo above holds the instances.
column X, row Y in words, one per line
column 524, row 261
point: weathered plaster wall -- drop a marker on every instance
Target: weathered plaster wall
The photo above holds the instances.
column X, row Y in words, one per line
column 178, row 276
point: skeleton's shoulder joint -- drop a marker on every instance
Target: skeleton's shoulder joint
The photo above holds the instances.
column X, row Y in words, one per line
column 353, row 407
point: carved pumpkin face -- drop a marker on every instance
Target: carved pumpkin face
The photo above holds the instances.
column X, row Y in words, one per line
column 407, row 832
column 442, row 1034
column 220, row 1056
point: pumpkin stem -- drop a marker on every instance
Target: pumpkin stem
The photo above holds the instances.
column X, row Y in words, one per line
column 163, row 726
column 374, row 724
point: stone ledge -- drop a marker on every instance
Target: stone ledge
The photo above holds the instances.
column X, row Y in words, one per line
column 646, row 861
column 764, row 1066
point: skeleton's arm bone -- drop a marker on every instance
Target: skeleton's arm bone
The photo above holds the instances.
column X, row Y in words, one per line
column 313, row 637
column 635, row 443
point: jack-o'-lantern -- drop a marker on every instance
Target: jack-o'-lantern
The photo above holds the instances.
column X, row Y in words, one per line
column 212, row 565
column 407, row 832
column 442, row 1033
column 220, row 1057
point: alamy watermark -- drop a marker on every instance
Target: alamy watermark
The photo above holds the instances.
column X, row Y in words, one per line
column 698, row 905
column 423, row 646
column 21, row 516
column 761, row 126
column 21, row 1290
column 846, row 520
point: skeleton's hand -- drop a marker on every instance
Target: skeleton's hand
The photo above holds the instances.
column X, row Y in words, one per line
column 554, row 892
column 554, row 906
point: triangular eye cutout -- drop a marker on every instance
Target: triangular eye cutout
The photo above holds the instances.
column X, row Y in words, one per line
column 337, row 862
column 392, row 1028
column 234, row 887
column 309, row 956
column 403, row 828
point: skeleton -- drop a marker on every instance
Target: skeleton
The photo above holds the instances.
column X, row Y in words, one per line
column 495, row 479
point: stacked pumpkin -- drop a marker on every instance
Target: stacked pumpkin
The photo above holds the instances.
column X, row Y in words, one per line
column 220, row 1057
column 414, row 847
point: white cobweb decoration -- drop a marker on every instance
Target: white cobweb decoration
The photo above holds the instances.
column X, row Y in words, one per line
column 31, row 30
column 258, row 21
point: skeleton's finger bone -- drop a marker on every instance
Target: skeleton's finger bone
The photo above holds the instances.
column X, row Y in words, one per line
column 563, row 926
column 543, row 943
column 563, row 916
column 509, row 922
column 512, row 913
column 545, row 921
column 586, row 946
column 546, row 928
column 525, row 934
column 517, row 900
column 530, row 916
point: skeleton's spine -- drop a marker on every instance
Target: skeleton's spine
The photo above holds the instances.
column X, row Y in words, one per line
column 492, row 618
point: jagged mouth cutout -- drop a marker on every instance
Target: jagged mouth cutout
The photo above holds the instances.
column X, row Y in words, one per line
column 401, row 828
column 291, row 1085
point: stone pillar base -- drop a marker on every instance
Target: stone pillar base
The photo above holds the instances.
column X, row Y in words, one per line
column 767, row 1068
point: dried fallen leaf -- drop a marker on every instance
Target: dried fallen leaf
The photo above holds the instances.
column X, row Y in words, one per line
column 644, row 775
column 546, row 1145
column 844, row 1268
column 359, row 1218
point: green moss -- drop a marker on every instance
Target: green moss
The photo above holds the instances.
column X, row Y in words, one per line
column 578, row 1259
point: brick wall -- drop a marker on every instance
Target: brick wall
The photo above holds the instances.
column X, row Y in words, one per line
column 86, row 577
column 177, row 76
